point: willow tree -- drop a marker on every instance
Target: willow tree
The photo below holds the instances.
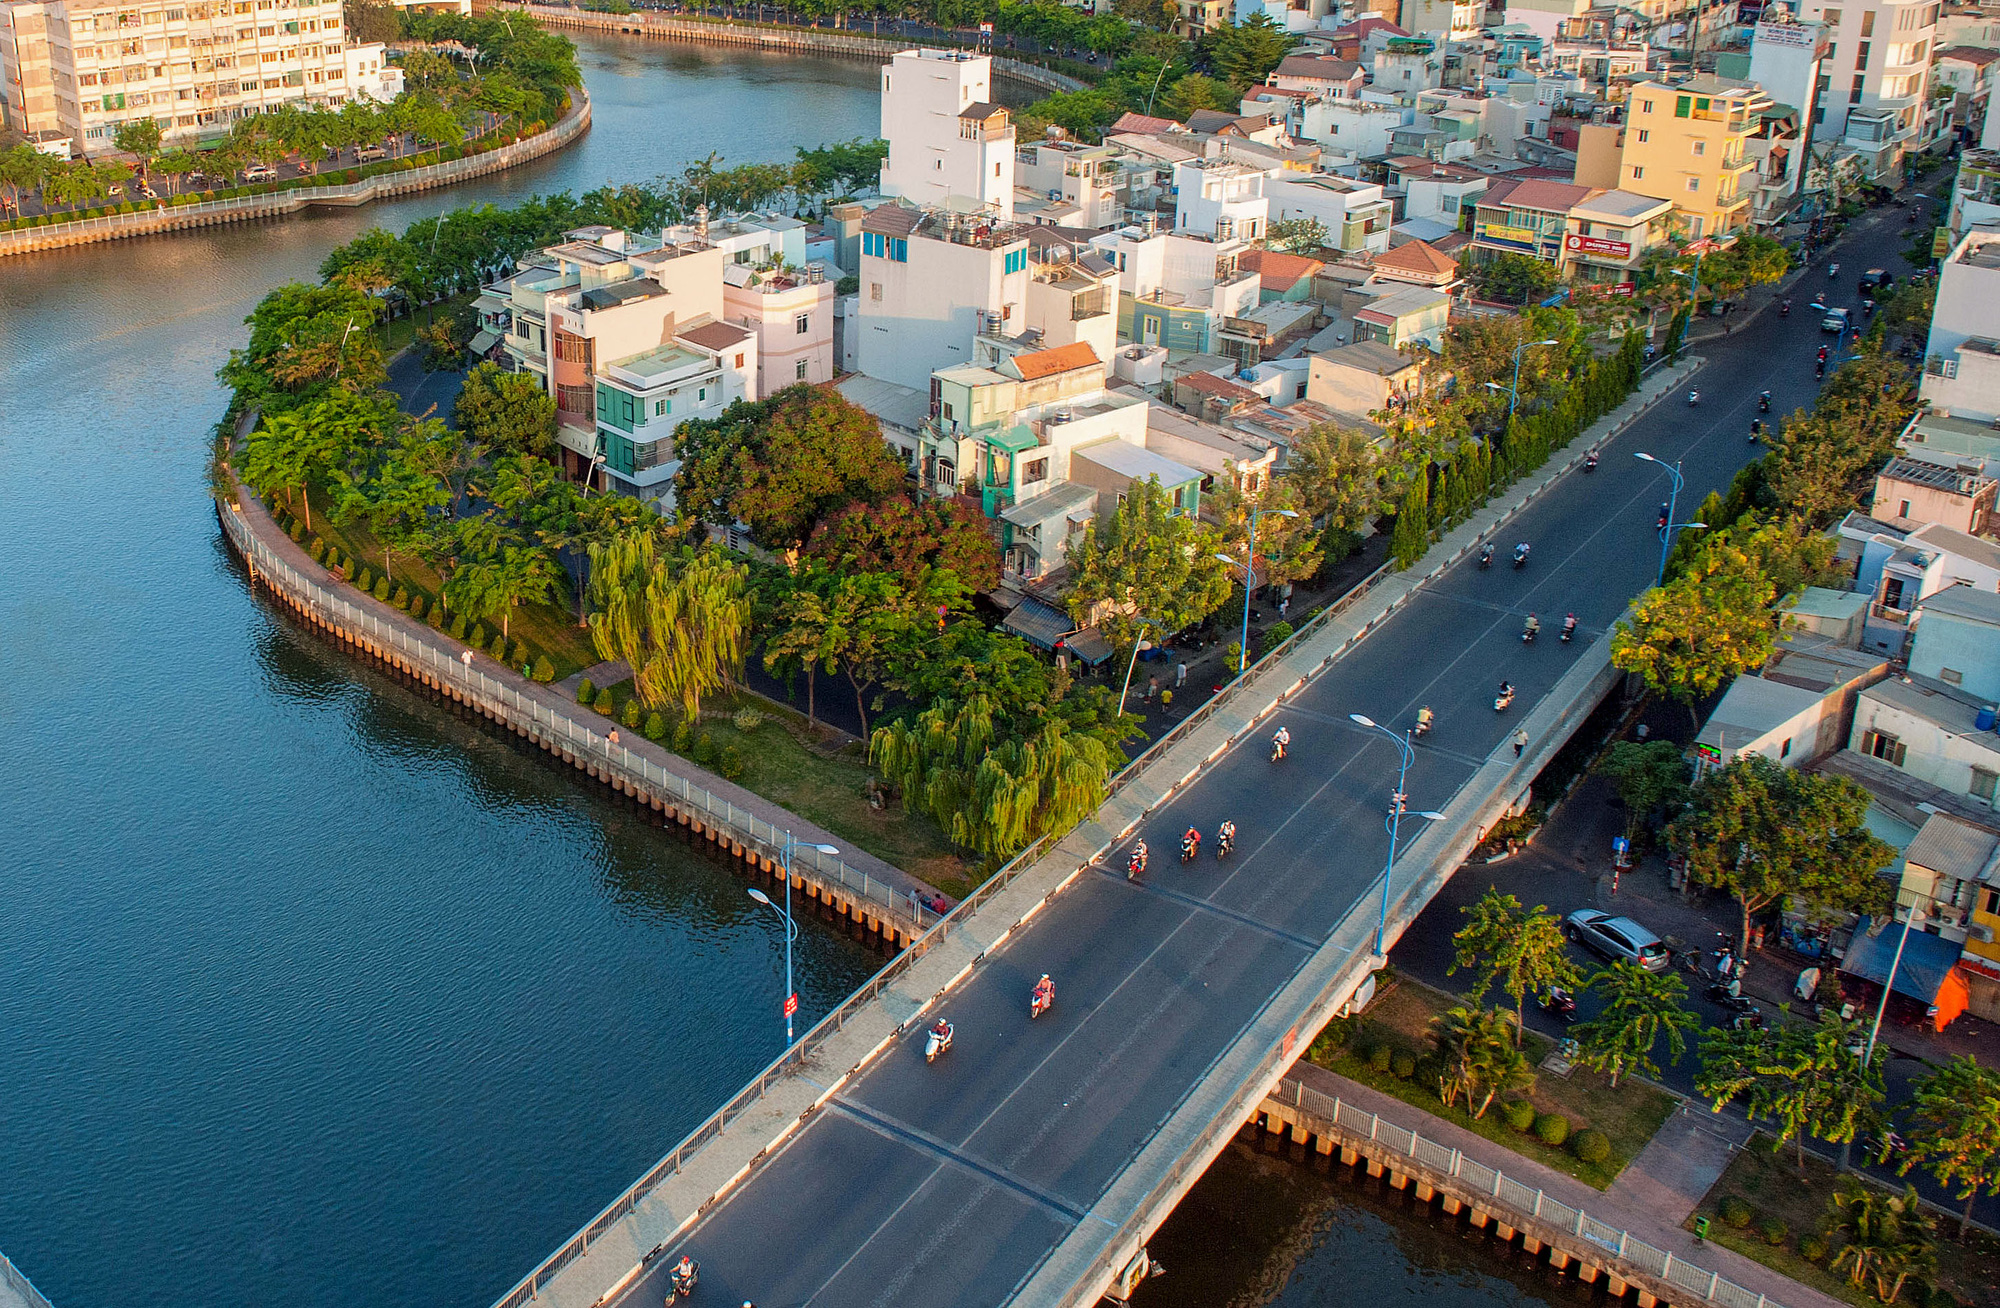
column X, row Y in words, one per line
column 992, row 792
column 679, row 621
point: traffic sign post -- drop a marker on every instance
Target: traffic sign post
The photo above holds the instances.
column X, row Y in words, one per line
column 791, row 1004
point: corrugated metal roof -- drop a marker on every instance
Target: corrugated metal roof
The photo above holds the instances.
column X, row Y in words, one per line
column 1953, row 848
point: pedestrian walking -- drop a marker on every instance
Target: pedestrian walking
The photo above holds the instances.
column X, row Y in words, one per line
column 1152, row 688
column 466, row 658
column 1520, row 741
column 1180, row 674
column 1284, row 606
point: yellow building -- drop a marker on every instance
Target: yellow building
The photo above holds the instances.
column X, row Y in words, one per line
column 1686, row 142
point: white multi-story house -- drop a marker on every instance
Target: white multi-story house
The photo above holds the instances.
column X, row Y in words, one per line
column 932, row 280
column 1326, row 76
column 1091, row 178
column 1356, row 214
column 84, row 67
column 1220, row 198
column 1448, row 20
column 1175, row 289
column 1875, row 80
column 1962, row 360
column 771, row 287
column 1354, row 129
column 947, row 137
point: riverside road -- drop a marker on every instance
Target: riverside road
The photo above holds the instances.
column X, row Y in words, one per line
column 949, row 1183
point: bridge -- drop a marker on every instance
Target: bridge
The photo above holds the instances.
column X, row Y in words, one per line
column 1031, row 1163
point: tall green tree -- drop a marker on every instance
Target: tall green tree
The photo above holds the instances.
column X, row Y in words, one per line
column 1520, row 948
column 1338, row 473
column 1952, row 1122
column 1885, row 1237
column 1759, row 832
column 1705, row 626
column 139, row 136
column 1245, row 53
column 1640, row 1007
column 1480, row 1058
column 1807, row 1080
column 1652, row 779
column 1298, row 235
column 1146, row 560
column 507, row 412
column 497, row 584
column 680, row 621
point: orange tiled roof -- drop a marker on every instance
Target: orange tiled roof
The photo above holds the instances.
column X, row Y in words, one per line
column 1047, row 363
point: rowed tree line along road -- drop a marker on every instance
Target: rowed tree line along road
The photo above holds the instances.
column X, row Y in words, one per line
column 950, row 1183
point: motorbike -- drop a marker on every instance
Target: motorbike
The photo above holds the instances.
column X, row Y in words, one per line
column 1223, row 844
column 1528, row 635
column 1590, row 461
column 1277, row 749
column 1694, row 398
column 1520, row 558
column 683, row 1283
column 1135, row 866
column 1422, row 727
column 1502, row 700
column 1486, row 556
column 1038, row 1003
column 1785, row 309
column 1833, row 270
column 937, row 1042
column 1819, row 369
column 1756, row 431
column 1190, row 847
column 1764, row 402
column 1569, row 631
column 1559, row 1004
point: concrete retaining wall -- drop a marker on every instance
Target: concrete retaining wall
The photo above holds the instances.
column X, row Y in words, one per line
column 248, row 208
column 1568, row 1239
column 781, row 40
column 875, row 909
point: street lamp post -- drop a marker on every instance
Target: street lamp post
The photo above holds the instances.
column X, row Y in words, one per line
column 1514, row 391
column 1408, row 754
column 1694, row 299
column 1249, row 566
column 1889, row 983
column 791, row 923
column 1133, row 661
column 1673, row 503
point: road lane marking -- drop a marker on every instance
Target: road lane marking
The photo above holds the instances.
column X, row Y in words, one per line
column 1191, row 901
column 902, row 1132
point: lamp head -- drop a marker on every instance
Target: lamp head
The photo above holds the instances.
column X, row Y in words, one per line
column 1363, row 719
column 1286, row 513
column 761, row 897
column 1641, row 454
column 1432, row 814
column 1226, row 559
column 824, row 849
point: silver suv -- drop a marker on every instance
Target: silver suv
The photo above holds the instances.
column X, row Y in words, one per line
column 1617, row 938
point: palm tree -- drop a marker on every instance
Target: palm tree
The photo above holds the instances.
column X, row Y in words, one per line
column 1481, row 1060
column 1887, row 1237
column 1639, row 1008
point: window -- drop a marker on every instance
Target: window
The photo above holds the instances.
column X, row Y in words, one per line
column 803, row 323
column 1638, row 172
column 661, row 408
column 1038, row 470
column 1867, row 23
column 1906, row 510
column 799, row 371
column 1017, row 261
column 1700, row 149
column 576, row 399
column 1832, row 17
column 1854, row 91
column 875, row 292
column 937, row 165
column 1682, row 106
column 1645, row 107
column 1884, row 746
column 1983, row 782
column 1694, row 184
column 1644, row 136
column 874, row 245
column 1786, row 750
column 899, row 250
column 739, row 359
column 1861, row 54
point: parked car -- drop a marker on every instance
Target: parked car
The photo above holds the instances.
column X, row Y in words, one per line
column 1877, row 282
column 1835, row 321
column 1617, row 938
column 260, row 173
column 370, row 154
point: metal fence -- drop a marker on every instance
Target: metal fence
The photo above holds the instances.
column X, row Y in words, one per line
column 553, row 723
column 1528, row 1201
column 16, row 1280
column 272, row 203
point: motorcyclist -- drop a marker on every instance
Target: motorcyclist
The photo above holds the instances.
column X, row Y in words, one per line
column 1764, row 402
column 1045, row 992
column 1399, row 802
column 1665, row 508
column 1569, row 626
column 942, row 1030
column 1785, row 309
column 1822, row 354
column 1190, row 842
column 1590, row 461
column 1424, row 718
column 684, row 1275
column 1533, row 628
column 1486, row 554
column 1137, row 863
column 1506, row 695
column 1521, row 552
column 1756, row 429
column 1225, row 838
column 1833, row 270
column 1694, row 398
column 1281, row 740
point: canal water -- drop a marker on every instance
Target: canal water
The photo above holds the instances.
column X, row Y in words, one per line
column 312, row 992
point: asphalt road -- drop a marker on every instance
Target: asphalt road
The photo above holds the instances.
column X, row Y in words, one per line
column 949, row 1183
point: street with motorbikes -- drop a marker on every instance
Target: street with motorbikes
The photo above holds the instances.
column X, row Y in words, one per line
column 947, row 1179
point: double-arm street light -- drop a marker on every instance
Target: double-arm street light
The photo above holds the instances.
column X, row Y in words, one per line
column 1408, row 754
column 1668, row 529
column 1514, row 391
column 791, row 923
column 1249, row 566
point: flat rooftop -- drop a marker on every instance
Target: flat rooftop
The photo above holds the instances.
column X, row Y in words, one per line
column 662, row 363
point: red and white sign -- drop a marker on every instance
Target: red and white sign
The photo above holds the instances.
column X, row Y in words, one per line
column 1702, row 246
column 1597, row 245
column 791, row 1004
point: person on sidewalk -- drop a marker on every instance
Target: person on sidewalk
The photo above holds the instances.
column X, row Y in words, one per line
column 1520, row 741
column 1180, row 674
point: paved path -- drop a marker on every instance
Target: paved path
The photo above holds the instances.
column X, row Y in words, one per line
column 608, row 673
column 1646, row 1200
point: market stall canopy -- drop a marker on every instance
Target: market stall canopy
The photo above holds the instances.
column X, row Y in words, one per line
column 1927, row 972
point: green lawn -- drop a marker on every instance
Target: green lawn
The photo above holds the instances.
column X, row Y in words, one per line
column 1400, row 1018
column 546, row 628
column 783, row 760
column 1774, row 1187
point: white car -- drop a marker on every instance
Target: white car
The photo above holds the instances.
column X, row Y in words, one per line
column 260, row 173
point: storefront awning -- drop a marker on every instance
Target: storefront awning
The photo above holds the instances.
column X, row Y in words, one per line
column 1038, row 623
column 1926, row 963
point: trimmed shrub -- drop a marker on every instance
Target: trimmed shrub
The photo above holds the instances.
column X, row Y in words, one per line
column 317, row 549
column 730, row 764
column 298, row 530
column 1279, row 633
column 545, row 671
column 478, row 637
column 401, row 599
column 499, row 650
column 458, row 626
column 585, row 692
column 438, row 616
column 683, row 743
column 1404, row 1065
column 1380, row 1057
column 416, row 606
column 631, row 716
column 366, row 581
column 605, row 703
column 1812, row 1247
column 347, row 569
column 381, row 588
column 1735, row 1211
column 1592, row 1146
column 747, row 720
column 655, row 727
column 1553, row 1128
column 704, row 749
column 1773, row 1231
column 1519, row 1114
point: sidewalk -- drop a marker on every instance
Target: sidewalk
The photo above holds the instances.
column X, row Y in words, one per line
column 1648, row 1200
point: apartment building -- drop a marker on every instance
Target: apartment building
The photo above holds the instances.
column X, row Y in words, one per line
column 1220, row 198
column 772, row 288
column 1962, row 359
column 1609, row 233
column 1528, row 217
column 1092, row 180
column 931, row 281
column 947, row 137
column 1875, row 81
column 83, row 67
column 1175, row 289
column 1447, row 20
column 1356, row 214
column 627, row 333
column 1688, row 142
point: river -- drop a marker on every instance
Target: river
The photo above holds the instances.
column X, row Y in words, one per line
column 312, row 992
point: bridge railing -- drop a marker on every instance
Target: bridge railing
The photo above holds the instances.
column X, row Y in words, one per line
column 1522, row 1198
column 16, row 1280
column 783, row 1066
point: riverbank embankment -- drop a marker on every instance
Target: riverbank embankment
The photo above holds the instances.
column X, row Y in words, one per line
column 279, row 204
column 776, row 40
column 879, row 901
